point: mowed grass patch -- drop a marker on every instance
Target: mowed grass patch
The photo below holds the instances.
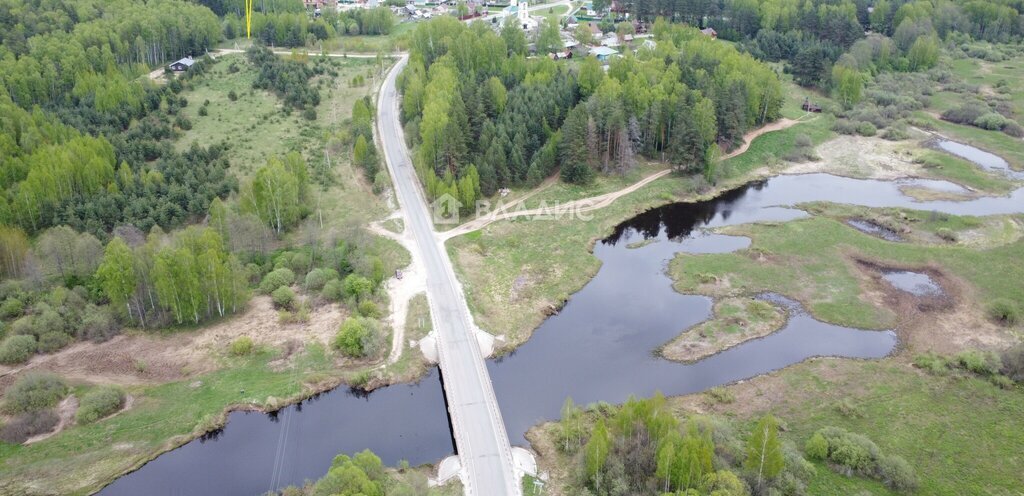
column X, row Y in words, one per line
column 962, row 435
column 83, row 458
column 811, row 260
column 769, row 148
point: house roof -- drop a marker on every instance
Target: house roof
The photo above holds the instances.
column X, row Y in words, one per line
column 708, row 31
column 603, row 50
column 187, row 62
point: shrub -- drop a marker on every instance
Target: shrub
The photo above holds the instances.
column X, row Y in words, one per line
column 53, row 341
column 23, row 427
column 895, row 133
column 816, row 447
column 309, row 114
column 850, row 450
column 844, row 126
column 369, row 309
column 203, row 112
column 99, row 403
column 357, row 286
column 12, row 307
column 232, row 95
column 967, row 113
column 849, row 409
column 358, row 337
column 721, row 395
column 283, row 297
column 866, row 129
column 1013, row 129
column 1004, row 312
column 897, row 473
column 277, row 278
column 1013, row 363
column 183, row 122
column 241, row 346
column 316, row 279
column 17, row 349
column 946, row 234
column 334, row 290
column 931, row 363
column 991, row 121
column 98, row 324
column 34, row 392
column 979, row 362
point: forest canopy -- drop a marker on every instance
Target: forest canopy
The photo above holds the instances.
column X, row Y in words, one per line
column 476, row 106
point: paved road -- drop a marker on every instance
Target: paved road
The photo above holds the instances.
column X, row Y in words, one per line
column 484, row 450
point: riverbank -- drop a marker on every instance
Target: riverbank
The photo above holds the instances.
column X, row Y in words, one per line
column 518, row 272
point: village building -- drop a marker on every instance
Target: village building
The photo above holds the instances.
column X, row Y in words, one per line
column 603, row 53
column 181, row 65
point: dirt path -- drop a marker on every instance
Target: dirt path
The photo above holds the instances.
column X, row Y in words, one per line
column 751, row 136
column 599, row 201
column 401, row 291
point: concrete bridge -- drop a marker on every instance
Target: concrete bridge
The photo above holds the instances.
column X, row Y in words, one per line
column 485, row 462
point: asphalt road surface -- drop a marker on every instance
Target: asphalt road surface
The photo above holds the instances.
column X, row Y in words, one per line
column 484, row 450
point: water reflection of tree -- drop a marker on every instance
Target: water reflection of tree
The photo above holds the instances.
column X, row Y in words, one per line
column 678, row 220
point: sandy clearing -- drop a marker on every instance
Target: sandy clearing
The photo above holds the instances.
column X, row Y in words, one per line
column 140, row 358
column 861, row 157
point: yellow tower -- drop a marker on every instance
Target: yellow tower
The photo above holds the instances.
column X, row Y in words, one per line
column 248, row 19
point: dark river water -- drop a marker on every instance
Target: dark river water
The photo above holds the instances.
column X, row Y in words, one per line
column 600, row 347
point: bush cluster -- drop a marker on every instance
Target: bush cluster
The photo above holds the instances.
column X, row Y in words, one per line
column 99, row 403
column 34, row 392
column 855, row 453
column 241, row 346
column 22, row 427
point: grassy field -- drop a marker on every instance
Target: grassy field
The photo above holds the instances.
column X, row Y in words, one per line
column 812, row 261
column 990, row 76
column 256, row 125
column 959, row 433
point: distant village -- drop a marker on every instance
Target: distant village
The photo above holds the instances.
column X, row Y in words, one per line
column 605, row 33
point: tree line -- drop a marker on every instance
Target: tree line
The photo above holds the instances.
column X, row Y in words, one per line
column 902, row 35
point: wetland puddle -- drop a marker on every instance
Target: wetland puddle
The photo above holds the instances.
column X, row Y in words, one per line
column 985, row 160
column 915, row 283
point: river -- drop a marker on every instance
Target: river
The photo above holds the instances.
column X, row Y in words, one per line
column 600, row 347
